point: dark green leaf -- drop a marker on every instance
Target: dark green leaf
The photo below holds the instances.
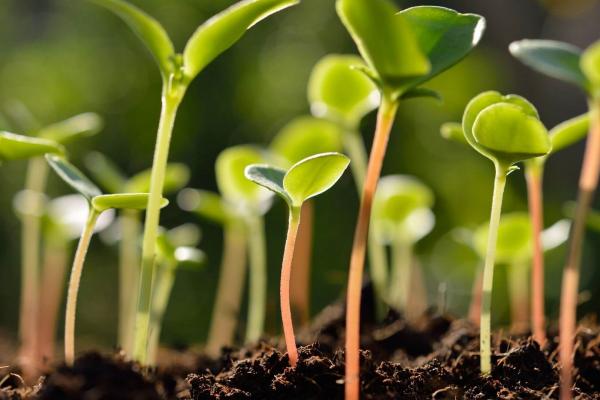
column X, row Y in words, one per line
column 73, row 177
column 268, row 177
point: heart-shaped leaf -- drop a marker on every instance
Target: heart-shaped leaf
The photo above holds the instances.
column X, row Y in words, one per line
column 128, row 201
column 338, row 91
column 385, row 40
column 224, row 29
column 590, row 65
column 19, row 147
column 444, row 36
column 514, row 238
column 105, row 172
column 176, row 177
column 81, row 125
column 207, row 204
column 149, row 31
column 268, row 177
column 313, row 176
column 569, row 132
column 72, row 176
column 556, row 59
column 305, row 136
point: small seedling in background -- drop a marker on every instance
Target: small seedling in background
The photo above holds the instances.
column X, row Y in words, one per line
column 566, row 62
column 401, row 217
column 506, row 130
column 303, row 181
column 301, row 138
column 176, row 250
column 113, row 180
column 562, row 135
column 178, row 70
column 402, row 50
column 97, row 204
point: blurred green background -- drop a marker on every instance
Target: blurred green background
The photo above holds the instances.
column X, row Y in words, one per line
column 63, row 57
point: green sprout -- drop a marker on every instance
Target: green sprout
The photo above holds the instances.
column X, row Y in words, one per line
column 97, row 204
column 402, row 50
column 176, row 250
column 566, row 62
column 113, row 180
column 301, row 182
column 178, row 70
column 561, row 136
column 301, row 138
column 506, row 130
column 401, row 217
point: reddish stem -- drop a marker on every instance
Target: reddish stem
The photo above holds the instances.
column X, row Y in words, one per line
column 536, row 213
column 385, row 119
column 284, row 292
column 570, row 283
column 300, row 289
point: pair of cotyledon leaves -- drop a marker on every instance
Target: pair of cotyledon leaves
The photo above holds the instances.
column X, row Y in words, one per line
column 211, row 38
column 407, row 48
column 562, row 61
column 50, row 139
column 97, row 201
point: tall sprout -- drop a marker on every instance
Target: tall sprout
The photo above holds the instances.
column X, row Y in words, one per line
column 402, row 50
column 178, row 70
column 566, row 62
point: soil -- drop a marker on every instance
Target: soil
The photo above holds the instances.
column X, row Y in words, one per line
column 433, row 358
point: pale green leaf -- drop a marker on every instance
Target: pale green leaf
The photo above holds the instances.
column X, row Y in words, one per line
column 81, row 125
column 130, row 201
column 206, row 204
column 72, row 176
column 569, row 132
column 268, row 177
column 590, row 65
column 20, row 147
column 514, row 238
column 105, row 172
column 177, row 175
column 453, row 131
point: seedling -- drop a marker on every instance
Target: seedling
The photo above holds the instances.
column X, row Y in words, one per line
column 401, row 217
column 566, row 62
column 176, row 250
column 113, row 180
column 561, row 136
column 301, row 138
column 97, row 204
column 304, row 180
column 505, row 129
column 178, row 70
column 402, row 50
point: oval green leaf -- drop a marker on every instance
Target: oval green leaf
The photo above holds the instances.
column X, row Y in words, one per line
column 148, row 30
column 72, row 176
column 268, row 177
column 208, row 205
column 556, row 59
column 385, row 40
column 20, row 147
column 338, row 91
column 177, row 175
column 590, row 65
column 398, row 196
column 305, row 136
column 514, row 238
column 569, row 132
column 224, row 29
column 313, row 176
column 81, row 125
column 129, row 201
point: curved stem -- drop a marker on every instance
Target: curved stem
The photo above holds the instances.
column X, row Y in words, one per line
column 73, row 290
column 35, row 185
column 300, row 289
column 284, row 288
column 518, row 289
column 170, row 104
column 229, row 289
column 533, row 176
column 129, row 268
column 385, row 119
column 257, row 296
column 163, row 285
column 588, row 182
column 488, row 272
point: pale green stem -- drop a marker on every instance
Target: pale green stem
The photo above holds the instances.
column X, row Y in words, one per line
column 488, row 271
column 229, row 289
column 129, row 268
column 518, row 289
column 163, row 285
column 73, row 290
column 35, row 185
column 400, row 279
column 376, row 252
column 170, row 104
column 257, row 296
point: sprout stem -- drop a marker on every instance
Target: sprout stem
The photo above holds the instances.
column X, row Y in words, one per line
column 488, row 271
column 534, row 195
column 476, row 295
column 284, row 293
column 35, row 184
column 163, row 285
column 400, row 279
column 588, row 182
column 170, row 104
column 229, row 290
column 73, row 290
column 129, row 268
column 518, row 279
column 257, row 301
column 385, row 120
column 300, row 288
